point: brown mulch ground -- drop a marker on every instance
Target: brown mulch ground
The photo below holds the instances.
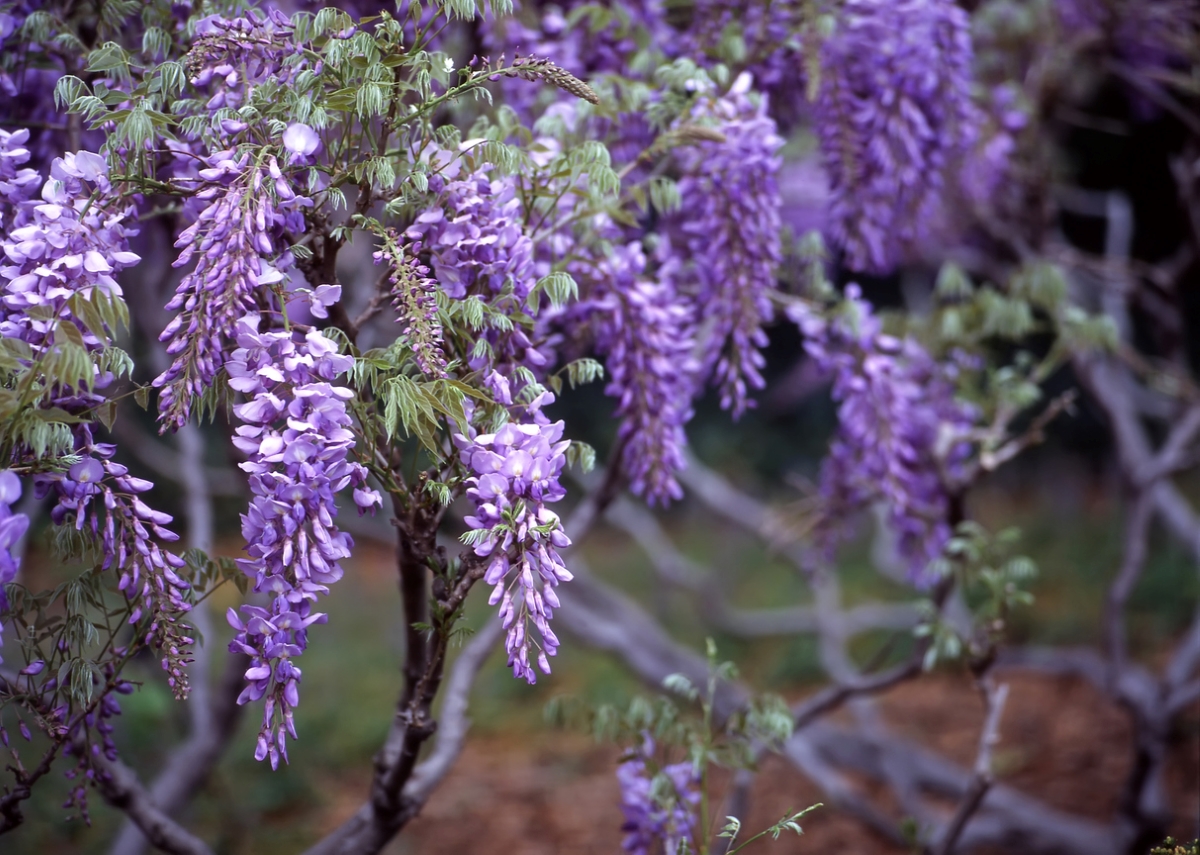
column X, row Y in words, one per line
column 1061, row 742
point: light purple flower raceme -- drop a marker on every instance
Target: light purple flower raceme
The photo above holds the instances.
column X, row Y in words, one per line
column 893, row 115
column 902, row 435
column 515, row 475
column 128, row 536
column 662, row 821
column 74, row 241
column 730, row 226
column 645, row 330
column 296, row 431
column 12, row 529
column 238, row 249
column 478, row 245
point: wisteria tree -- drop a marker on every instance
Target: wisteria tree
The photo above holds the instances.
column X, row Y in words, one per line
column 191, row 198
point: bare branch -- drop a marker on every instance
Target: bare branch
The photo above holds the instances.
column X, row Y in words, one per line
column 120, row 787
column 993, row 699
column 453, row 723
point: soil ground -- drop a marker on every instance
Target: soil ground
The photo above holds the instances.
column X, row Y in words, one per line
column 1061, row 742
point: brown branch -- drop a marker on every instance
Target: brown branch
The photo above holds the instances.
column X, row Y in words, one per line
column 993, row 699
column 120, row 787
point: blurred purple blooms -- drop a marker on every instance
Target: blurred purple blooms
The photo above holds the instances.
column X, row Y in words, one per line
column 12, row 529
column 730, row 229
column 893, row 115
column 657, row 819
column 645, row 330
column 902, row 434
column 515, row 475
column 297, row 434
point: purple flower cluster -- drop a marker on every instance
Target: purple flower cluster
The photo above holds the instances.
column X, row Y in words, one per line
column 74, row 241
column 902, row 434
column 12, row 528
column 475, row 235
column 478, row 245
column 63, row 244
column 250, row 205
column 18, row 182
column 731, row 231
column 645, row 330
column 893, row 114
column 232, row 54
column 659, row 824
column 297, row 434
column 127, row 538
column 416, row 307
column 515, row 475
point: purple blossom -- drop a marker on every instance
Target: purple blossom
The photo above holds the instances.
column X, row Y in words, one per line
column 901, row 432
column 475, row 234
column 66, row 243
column 645, row 330
column 231, row 55
column 237, row 245
column 296, row 431
column 12, row 529
column 515, row 475
column 657, row 818
column 730, row 229
column 128, row 534
column 894, row 113
column 302, row 141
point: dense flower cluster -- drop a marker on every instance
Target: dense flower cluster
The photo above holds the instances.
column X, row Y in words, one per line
column 67, row 243
column 645, row 330
column 297, row 434
column 12, row 528
column 515, row 475
column 659, row 824
column 73, row 243
column 731, row 230
column 249, row 206
column 893, row 114
column 902, row 434
column 476, row 235
column 478, row 244
column 231, row 54
column 416, row 306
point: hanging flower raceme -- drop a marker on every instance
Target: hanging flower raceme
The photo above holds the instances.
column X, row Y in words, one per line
column 98, row 495
column 475, row 235
column 236, row 243
column 902, row 435
column 479, row 246
column 296, row 431
column 515, row 475
column 73, row 242
column 645, row 330
column 416, row 306
column 12, row 529
column 893, row 114
column 657, row 819
column 731, row 231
